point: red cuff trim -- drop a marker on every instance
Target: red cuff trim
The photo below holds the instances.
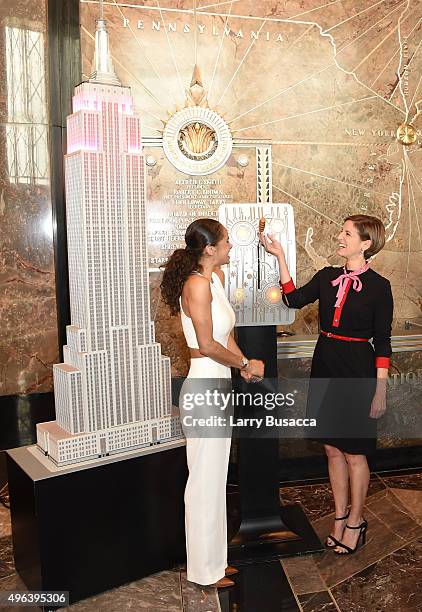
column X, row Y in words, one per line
column 288, row 287
column 382, row 362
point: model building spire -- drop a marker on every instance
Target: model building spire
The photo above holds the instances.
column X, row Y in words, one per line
column 113, row 389
column 103, row 70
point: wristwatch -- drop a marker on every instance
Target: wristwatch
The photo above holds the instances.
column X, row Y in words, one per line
column 244, row 362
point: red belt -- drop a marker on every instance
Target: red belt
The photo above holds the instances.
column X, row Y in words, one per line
column 330, row 335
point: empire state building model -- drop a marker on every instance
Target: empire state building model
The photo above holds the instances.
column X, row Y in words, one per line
column 113, row 391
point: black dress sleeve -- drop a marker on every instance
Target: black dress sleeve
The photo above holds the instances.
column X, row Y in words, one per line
column 299, row 297
column 383, row 317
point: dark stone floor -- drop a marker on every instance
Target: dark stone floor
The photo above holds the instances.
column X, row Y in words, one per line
column 385, row 575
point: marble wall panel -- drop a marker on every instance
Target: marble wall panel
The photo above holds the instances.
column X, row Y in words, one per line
column 28, row 337
column 399, row 427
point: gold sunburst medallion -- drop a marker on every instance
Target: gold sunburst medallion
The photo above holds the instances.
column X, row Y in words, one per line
column 197, row 141
column 406, row 133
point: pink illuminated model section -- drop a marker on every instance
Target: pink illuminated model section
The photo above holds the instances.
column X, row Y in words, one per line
column 113, row 391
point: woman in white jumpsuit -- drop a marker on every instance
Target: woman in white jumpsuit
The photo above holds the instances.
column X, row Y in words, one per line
column 193, row 284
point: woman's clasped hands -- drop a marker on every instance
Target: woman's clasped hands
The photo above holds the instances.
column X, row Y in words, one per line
column 254, row 371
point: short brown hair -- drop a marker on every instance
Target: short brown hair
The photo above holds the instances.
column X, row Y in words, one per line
column 369, row 228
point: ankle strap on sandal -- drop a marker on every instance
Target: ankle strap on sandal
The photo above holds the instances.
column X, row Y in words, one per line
column 342, row 518
column 363, row 524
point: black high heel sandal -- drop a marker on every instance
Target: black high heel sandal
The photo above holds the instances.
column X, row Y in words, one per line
column 336, row 542
column 363, row 527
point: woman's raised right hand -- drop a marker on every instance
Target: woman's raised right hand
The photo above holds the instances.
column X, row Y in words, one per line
column 271, row 245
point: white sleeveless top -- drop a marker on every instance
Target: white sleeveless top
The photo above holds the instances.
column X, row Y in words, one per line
column 223, row 317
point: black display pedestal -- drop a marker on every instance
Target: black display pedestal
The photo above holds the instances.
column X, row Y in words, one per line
column 266, row 531
column 92, row 528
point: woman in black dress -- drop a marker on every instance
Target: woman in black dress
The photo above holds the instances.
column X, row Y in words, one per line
column 348, row 376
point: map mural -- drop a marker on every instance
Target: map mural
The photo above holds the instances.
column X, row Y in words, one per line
column 329, row 93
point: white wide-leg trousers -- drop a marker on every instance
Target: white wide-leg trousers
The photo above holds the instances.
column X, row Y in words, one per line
column 205, row 493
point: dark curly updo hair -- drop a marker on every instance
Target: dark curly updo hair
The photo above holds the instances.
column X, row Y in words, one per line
column 182, row 262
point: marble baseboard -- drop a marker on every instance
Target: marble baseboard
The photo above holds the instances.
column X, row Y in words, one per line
column 409, row 481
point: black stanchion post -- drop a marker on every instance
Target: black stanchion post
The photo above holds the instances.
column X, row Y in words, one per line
column 266, row 531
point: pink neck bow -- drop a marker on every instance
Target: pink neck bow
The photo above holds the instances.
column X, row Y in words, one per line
column 343, row 279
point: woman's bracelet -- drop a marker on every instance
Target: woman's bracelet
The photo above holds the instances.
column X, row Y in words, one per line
column 244, row 362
